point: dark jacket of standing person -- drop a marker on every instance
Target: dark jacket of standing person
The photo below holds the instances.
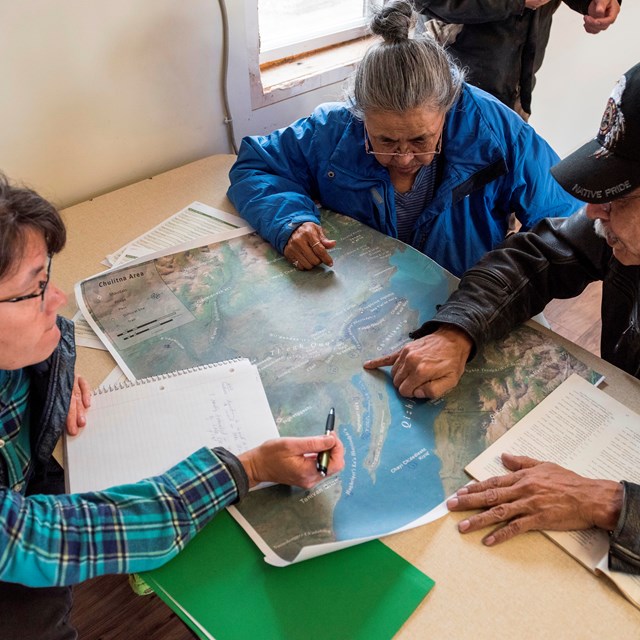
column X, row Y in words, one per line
column 500, row 43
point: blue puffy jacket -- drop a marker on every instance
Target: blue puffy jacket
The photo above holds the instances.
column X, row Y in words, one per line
column 492, row 164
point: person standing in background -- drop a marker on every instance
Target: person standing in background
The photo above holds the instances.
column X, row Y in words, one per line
column 501, row 43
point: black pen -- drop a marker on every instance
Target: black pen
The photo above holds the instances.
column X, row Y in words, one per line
column 323, row 456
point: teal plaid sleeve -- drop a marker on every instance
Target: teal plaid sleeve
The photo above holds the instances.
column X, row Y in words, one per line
column 60, row 540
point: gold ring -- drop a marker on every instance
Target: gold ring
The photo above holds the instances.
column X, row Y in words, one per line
column 313, row 245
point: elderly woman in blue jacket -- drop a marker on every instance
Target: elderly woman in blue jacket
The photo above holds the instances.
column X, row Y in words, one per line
column 415, row 153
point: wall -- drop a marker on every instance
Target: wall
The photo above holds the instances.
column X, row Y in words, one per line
column 96, row 95
column 579, row 73
column 242, row 18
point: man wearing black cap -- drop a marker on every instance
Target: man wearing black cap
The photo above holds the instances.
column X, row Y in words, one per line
column 557, row 259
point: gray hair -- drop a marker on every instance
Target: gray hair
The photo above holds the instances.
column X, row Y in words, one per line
column 402, row 73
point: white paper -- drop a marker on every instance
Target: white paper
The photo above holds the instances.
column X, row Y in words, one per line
column 115, row 378
column 194, row 221
column 587, row 431
column 142, row 430
column 84, row 334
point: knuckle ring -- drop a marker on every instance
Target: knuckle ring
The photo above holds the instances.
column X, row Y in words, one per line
column 315, row 243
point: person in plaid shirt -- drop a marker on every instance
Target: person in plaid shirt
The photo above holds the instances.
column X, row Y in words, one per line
column 49, row 540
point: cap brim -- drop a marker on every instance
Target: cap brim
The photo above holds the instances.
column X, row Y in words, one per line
column 596, row 178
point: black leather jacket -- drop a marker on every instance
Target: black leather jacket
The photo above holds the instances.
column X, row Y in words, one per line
column 557, row 259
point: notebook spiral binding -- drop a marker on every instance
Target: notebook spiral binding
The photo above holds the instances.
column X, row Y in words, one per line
column 127, row 384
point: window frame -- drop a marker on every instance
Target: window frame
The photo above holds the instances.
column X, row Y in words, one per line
column 301, row 72
column 348, row 31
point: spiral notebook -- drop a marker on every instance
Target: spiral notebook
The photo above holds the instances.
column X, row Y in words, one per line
column 140, row 429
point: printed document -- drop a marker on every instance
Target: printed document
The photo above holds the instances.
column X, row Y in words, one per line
column 583, row 429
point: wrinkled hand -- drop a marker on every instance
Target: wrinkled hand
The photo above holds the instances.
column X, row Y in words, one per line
column 428, row 367
column 537, row 495
column 80, row 402
column 307, row 247
column 292, row 460
column 601, row 15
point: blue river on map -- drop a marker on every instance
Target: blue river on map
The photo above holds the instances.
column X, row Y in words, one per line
column 395, row 498
column 376, row 503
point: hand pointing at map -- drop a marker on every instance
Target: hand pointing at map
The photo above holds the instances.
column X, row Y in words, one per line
column 430, row 366
column 307, row 247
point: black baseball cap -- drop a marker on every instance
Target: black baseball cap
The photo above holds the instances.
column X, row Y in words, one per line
column 608, row 167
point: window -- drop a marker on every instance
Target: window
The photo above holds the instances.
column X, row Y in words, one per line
column 292, row 27
column 295, row 47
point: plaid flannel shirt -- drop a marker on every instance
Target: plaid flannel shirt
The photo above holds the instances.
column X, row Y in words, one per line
column 59, row 540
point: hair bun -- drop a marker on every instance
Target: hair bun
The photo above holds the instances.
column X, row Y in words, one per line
column 393, row 21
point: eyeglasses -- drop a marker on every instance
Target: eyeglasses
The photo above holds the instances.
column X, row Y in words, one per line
column 42, row 286
column 606, row 206
column 389, row 154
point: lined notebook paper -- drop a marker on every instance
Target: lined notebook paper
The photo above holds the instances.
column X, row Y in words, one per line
column 141, row 429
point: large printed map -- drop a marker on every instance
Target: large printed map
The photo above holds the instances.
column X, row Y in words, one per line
column 308, row 333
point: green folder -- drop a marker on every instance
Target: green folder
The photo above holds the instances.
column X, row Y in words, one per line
column 222, row 588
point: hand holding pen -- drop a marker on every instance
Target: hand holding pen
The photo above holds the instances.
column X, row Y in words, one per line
column 292, row 461
column 324, row 456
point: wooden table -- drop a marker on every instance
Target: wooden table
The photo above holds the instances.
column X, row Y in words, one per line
column 526, row 588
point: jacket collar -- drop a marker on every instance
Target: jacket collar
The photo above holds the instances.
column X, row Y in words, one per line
column 349, row 154
column 471, row 154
